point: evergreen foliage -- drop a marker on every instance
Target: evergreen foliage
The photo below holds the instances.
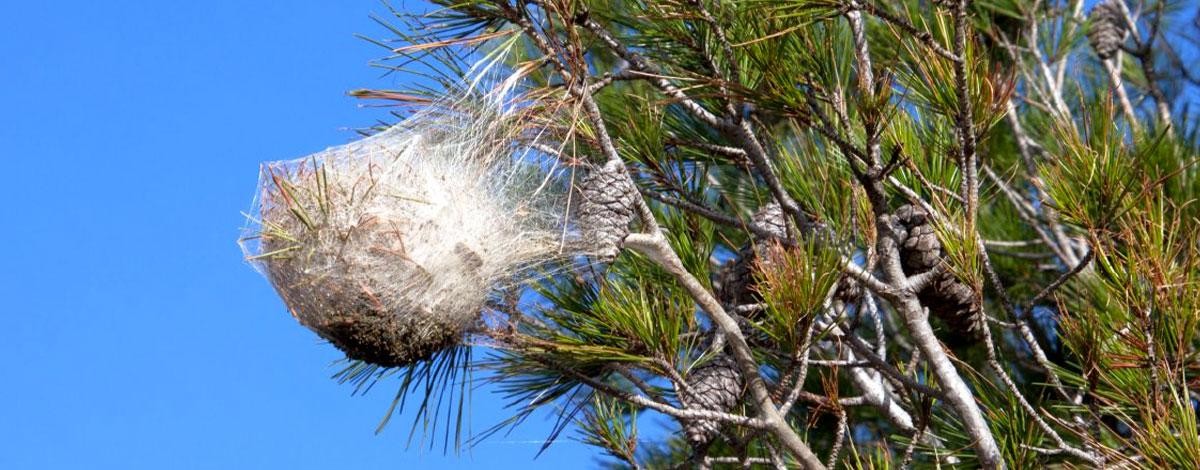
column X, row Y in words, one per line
column 976, row 241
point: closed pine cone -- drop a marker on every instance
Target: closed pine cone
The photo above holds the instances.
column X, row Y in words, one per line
column 1108, row 29
column 770, row 217
column 714, row 386
column 606, row 209
column 848, row 290
column 947, row 298
column 735, row 278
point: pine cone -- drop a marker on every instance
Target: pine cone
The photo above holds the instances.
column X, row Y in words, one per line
column 735, row 278
column 606, row 209
column 954, row 303
column 947, row 298
column 770, row 217
column 921, row 250
column 848, row 290
column 714, row 386
column 1108, row 28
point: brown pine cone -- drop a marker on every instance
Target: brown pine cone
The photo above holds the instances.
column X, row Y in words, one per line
column 735, row 278
column 733, row 281
column 947, row 298
column 606, row 210
column 954, row 303
column 1108, row 28
column 715, row 386
column 848, row 290
column 921, row 250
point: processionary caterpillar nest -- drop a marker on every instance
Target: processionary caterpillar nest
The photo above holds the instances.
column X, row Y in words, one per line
column 388, row 247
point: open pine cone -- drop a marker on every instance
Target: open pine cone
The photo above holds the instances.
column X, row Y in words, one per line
column 947, row 298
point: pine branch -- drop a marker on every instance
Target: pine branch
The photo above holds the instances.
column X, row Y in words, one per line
column 655, row 247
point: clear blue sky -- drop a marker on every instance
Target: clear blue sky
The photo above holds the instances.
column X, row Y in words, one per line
column 135, row 337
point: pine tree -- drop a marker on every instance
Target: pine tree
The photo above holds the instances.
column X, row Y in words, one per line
column 837, row 233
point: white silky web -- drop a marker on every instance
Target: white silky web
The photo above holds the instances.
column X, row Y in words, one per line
column 388, row 247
